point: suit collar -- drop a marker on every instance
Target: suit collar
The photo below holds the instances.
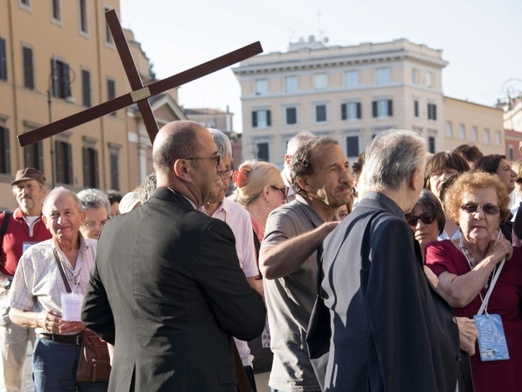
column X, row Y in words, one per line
column 371, row 199
column 168, row 194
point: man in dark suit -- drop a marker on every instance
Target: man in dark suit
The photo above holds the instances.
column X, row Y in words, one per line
column 390, row 330
column 167, row 289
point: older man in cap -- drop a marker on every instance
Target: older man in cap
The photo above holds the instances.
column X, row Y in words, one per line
column 19, row 230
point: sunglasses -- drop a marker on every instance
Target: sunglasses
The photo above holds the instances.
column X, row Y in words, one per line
column 518, row 180
column 283, row 190
column 425, row 218
column 471, row 208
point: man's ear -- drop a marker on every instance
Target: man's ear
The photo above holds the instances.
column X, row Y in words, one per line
column 288, row 159
column 304, row 183
column 416, row 179
column 182, row 169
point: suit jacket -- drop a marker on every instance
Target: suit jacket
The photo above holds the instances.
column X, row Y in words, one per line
column 390, row 330
column 168, row 290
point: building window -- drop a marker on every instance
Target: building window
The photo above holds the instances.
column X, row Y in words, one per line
column 351, row 79
column 351, row 111
column 114, row 167
column 415, row 76
column 61, row 82
column 108, row 35
column 28, row 67
column 291, row 116
column 291, row 84
column 320, row 81
column 382, row 76
column 84, row 25
column 320, row 113
column 261, row 118
column 486, row 136
column 111, row 91
column 5, row 156
column 462, row 131
column 86, row 88
column 449, row 129
column 431, row 144
column 90, row 167
column 511, row 153
column 429, row 79
column 474, row 134
column 261, row 87
column 263, row 151
column 382, row 108
column 352, row 146
column 498, row 138
column 63, row 164
column 56, row 10
column 416, row 108
column 26, row 4
column 3, row 60
column 432, row 111
column 33, row 156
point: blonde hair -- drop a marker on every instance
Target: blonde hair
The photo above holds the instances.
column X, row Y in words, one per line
column 517, row 167
column 251, row 178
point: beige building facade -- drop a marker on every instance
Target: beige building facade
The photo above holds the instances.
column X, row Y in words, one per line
column 350, row 93
column 58, row 58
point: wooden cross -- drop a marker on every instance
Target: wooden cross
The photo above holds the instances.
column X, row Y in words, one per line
column 140, row 94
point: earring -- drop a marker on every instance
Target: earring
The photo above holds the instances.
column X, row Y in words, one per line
column 267, row 205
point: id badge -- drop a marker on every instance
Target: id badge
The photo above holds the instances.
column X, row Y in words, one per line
column 26, row 245
column 72, row 306
column 492, row 340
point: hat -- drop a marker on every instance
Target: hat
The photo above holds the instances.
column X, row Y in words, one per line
column 29, row 173
column 129, row 202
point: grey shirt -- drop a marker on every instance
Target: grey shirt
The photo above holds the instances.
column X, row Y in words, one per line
column 290, row 300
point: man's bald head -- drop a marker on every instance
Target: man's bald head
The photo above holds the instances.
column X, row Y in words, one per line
column 175, row 140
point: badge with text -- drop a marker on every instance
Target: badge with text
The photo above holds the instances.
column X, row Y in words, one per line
column 72, row 306
column 492, row 340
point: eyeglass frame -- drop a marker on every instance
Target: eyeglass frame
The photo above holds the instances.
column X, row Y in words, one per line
column 216, row 157
column 488, row 208
column 283, row 190
column 97, row 224
column 229, row 173
column 422, row 217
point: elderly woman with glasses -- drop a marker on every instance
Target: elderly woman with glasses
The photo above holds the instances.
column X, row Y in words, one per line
column 473, row 264
column 97, row 209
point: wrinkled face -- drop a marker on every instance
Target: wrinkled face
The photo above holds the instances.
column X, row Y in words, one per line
column 506, row 175
column 439, row 177
column 221, row 188
column 481, row 225
column 331, row 181
column 95, row 218
column 419, row 220
column 64, row 218
column 29, row 196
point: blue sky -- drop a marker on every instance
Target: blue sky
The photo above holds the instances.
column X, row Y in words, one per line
column 480, row 39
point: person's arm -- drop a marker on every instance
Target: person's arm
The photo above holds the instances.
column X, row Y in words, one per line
column 46, row 320
column 286, row 257
column 460, row 290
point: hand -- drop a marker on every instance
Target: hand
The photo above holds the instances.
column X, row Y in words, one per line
column 500, row 248
column 49, row 320
column 68, row 327
column 468, row 334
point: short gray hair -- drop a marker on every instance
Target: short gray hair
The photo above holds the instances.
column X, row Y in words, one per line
column 391, row 158
column 95, row 199
column 54, row 194
column 222, row 142
column 297, row 141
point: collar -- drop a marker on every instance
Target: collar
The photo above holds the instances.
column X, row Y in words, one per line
column 371, row 198
column 310, row 211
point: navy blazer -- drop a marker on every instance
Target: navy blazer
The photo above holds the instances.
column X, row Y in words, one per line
column 168, row 290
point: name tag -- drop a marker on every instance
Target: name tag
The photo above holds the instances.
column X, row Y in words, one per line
column 72, row 306
column 492, row 340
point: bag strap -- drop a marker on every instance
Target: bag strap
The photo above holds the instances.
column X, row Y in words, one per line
column 5, row 222
column 62, row 272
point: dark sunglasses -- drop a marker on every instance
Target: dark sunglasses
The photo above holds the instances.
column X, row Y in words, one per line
column 471, row 208
column 283, row 190
column 426, row 218
column 518, row 180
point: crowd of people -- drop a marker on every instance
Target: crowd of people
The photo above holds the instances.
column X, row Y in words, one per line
column 400, row 272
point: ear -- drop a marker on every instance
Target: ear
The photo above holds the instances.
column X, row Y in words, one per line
column 266, row 192
column 288, row 159
column 83, row 215
column 182, row 170
column 304, row 183
column 416, row 180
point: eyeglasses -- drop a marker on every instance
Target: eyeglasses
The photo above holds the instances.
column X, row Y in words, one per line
column 283, row 190
column 471, row 208
column 226, row 174
column 216, row 157
column 93, row 224
column 426, row 218
column 518, row 180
